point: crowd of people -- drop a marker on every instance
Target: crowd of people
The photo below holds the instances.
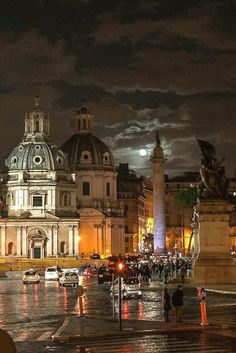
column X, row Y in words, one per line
column 163, row 269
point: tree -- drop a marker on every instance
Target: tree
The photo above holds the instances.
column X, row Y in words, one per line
column 187, row 198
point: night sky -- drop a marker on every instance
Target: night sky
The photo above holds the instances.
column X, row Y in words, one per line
column 140, row 66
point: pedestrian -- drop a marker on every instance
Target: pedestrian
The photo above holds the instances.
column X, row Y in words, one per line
column 182, row 273
column 166, row 274
column 178, row 302
column 166, row 304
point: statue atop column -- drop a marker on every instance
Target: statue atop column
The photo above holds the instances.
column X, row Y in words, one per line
column 214, row 184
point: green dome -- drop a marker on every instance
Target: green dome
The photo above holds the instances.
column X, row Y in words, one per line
column 39, row 155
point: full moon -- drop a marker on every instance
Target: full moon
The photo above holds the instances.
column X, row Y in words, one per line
column 142, row 152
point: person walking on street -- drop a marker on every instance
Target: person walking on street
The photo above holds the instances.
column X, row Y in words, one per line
column 166, row 304
column 178, row 302
column 182, row 273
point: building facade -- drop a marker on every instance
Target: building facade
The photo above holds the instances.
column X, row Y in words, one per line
column 38, row 193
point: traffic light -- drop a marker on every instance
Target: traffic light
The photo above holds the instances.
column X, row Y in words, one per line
column 120, row 268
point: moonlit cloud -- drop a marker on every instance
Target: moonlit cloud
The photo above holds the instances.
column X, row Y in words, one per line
column 140, row 66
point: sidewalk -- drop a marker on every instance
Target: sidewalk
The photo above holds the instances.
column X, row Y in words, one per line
column 82, row 328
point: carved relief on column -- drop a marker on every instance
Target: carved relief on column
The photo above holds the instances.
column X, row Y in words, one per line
column 18, row 241
column 3, row 240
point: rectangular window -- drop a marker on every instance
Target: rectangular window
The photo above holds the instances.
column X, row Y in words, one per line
column 37, row 201
column 126, row 229
column 86, row 188
column 108, row 189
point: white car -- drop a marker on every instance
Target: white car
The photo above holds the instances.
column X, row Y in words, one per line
column 31, row 276
column 69, row 278
column 130, row 288
column 52, row 274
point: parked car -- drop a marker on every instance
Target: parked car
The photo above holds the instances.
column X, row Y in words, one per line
column 31, row 276
column 52, row 273
column 130, row 288
column 95, row 256
column 69, row 278
column 90, row 272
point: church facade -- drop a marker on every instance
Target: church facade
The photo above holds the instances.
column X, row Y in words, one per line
column 59, row 201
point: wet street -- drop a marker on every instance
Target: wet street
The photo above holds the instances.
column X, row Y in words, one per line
column 33, row 313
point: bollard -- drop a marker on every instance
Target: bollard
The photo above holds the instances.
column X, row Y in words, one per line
column 81, row 309
column 202, row 296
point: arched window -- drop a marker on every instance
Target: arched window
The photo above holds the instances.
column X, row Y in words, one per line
column 10, row 248
column 84, row 124
column 79, row 124
column 108, row 189
column 63, row 247
column 86, row 188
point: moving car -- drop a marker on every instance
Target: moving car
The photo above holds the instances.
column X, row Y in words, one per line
column 52, row 273
column 130, row 288
column 31, row 276
column 105, row 274
column 69, row 278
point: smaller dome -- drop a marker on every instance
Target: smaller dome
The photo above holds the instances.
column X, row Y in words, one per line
column 86, row 151
column 37, row 156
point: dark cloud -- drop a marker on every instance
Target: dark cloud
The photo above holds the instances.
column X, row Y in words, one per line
column 140, row 66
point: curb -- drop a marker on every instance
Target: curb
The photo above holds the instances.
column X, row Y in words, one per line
column 128, row 333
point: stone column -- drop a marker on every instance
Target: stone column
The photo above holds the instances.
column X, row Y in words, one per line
column 76, row 240
column 18, row 241
column 159, row 213
column 214, row 263
column 3, row 240
column 24, row 241
column 55, row 239
column 49, row 243
column 70, row 240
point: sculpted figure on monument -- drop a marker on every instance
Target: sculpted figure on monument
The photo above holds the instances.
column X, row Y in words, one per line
column 213, row 180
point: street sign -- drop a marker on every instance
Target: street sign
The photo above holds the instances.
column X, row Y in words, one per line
column 80, row 291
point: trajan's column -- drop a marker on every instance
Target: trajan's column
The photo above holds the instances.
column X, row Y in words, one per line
column 159, row 214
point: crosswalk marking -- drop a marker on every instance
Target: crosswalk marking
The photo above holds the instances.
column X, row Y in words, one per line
column 159, row 344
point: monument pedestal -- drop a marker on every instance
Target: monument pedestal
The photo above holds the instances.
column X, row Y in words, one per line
column 214, row 263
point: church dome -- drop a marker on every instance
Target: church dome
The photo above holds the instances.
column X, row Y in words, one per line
column 34, row 152
column 86, row 151
column 38, row 155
